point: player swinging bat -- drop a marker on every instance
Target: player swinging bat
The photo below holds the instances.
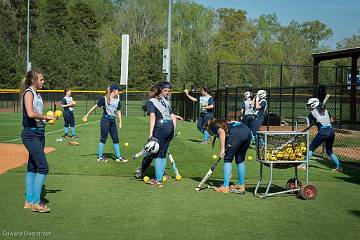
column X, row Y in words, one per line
column 312, row 103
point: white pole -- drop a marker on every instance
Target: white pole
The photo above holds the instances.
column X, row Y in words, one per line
column 28, row 67
column 169, row 40
column 125, row 67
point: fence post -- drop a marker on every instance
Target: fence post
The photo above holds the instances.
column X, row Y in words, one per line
column 14, row 101
column 281, row 87
column 236, row 101
column 226, row 99
column 293, row 108
column 268, row 110
column 218, row 76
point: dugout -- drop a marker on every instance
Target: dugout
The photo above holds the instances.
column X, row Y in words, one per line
column 354, row 54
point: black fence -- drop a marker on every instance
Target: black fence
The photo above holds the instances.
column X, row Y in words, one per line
column 286, row 104
column 278, row 75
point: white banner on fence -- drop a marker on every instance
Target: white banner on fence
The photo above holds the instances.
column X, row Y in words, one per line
column 124, row 59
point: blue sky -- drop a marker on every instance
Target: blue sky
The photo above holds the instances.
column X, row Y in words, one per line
column 342, row 16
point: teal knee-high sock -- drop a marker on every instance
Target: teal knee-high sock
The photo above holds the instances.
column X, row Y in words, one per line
column 309, row 157
column 38, row 183
column 158, row 166
column 206, row 135
column 117, row 150
column 227, row 173
column 100, row 149
column 334, row 158
column 163, row 165
column 72, row 131
column 241, row 173
column 30, row 177
column 65, row 130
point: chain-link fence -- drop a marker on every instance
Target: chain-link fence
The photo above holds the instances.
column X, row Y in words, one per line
column 9, row 101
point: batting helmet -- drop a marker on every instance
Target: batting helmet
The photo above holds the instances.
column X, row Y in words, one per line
column 313, row 103
column 152, row 147
column 261, row 94
column 247, row 95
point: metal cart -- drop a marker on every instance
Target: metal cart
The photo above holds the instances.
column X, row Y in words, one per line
column 284, row 149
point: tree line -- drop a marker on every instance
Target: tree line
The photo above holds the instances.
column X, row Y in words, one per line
column 77, row 43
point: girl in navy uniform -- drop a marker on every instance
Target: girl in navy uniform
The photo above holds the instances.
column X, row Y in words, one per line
column 206, row 104
column 326, row 132
column 162, row 127
column 68, row 104
column 235, row 138
column 33, row 137
column 260, row 107
column 247, row 110
column 112, row 107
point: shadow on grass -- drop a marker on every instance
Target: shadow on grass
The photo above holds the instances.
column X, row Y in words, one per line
column 194, row 140
column 45, row 191
column 355, row 212
column 106, row 155
column 351, row 170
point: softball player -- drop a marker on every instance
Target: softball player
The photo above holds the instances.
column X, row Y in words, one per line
column 260, row 106
column 235, row 138
column 162, row 126
column 33, row 137
column 112, row 106
column 326, row 132
column 206, row 104
column 247, row 110
column 68, row 104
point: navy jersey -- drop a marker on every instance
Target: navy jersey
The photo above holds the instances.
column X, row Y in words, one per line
column 110, row 109
column 160, row 107
column 66, row 101
column 248, row 107
column 262, row 111
column 206, row 101
column 38, row 107
column 322, row 118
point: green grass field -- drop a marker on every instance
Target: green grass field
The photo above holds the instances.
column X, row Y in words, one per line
column 91, row 200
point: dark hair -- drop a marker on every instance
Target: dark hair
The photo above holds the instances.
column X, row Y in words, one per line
column 30, row 78
column 206, row 89
column 156, row 90
column 216, row 123
column 66, row 90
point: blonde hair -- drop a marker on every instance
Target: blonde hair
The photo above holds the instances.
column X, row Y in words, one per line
column 107, row 95
column 27, row 81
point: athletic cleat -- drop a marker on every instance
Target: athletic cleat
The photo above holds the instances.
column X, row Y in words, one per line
column 102, row 159
column 28, row 205
column 204, row 142
column 121, row 159
column 337, row 170
column 222, row 189
column 66, row 136
column 41, row 208
column 239, row 189
column 155, row 183
column 301, row 167
column 74, row 136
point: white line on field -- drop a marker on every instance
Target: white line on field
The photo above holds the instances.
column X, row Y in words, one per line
column 83, row 124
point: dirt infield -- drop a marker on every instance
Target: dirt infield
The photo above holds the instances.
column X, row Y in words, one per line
column 14, row 155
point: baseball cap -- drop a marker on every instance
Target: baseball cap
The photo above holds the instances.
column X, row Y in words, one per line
column 165, row 85
column 114, row 87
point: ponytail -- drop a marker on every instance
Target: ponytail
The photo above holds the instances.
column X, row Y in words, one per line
column 26, row 82
column 22, row 87
column 107, row 95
